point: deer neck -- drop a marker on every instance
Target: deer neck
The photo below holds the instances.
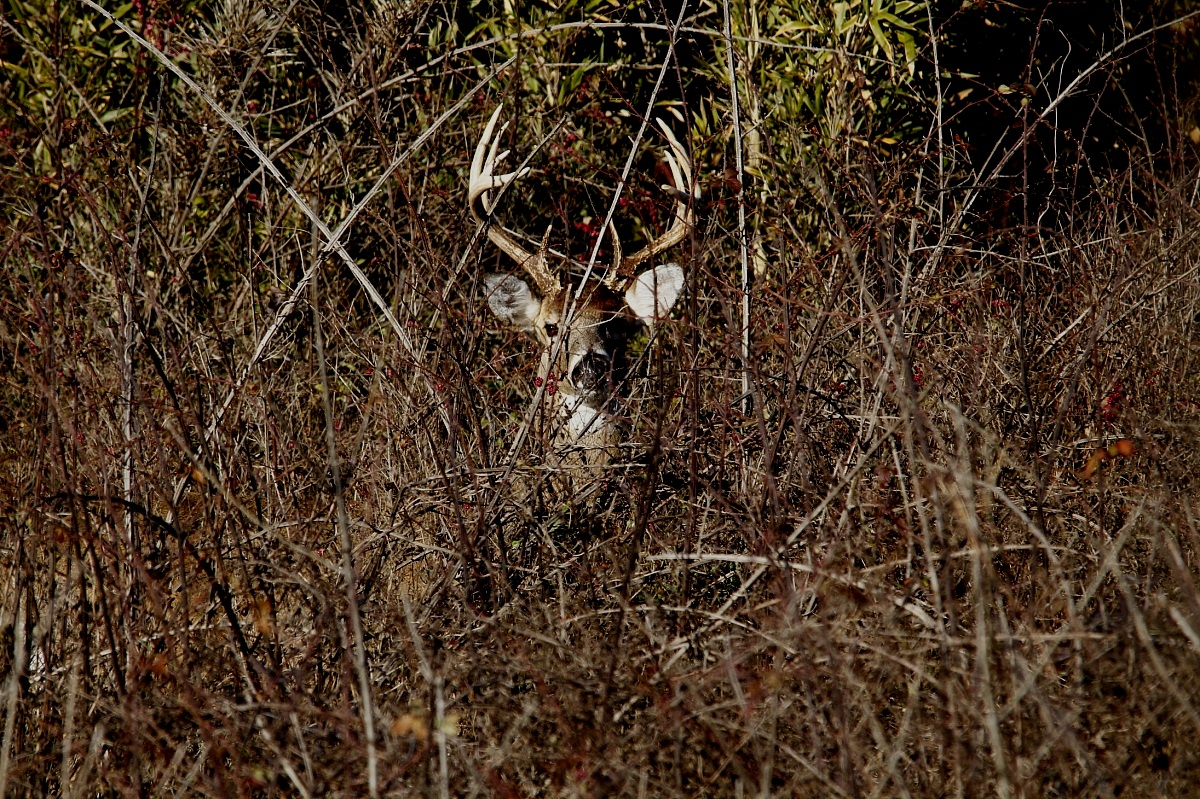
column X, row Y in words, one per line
column 586, row 433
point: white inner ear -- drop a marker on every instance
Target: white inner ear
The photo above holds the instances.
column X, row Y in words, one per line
column 511, row 300
column 655, row 291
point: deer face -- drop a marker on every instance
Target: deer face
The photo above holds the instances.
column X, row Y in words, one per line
column 585, row 332
column 591, row 343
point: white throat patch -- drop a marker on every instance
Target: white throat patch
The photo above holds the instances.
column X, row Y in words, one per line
column 583, row 419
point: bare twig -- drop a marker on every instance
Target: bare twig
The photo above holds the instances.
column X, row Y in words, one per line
column 349, row 573
column 743, row 244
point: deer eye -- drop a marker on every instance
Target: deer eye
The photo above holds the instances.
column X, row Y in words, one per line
column 551, row 329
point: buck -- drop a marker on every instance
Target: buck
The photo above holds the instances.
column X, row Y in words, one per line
column 582, row 330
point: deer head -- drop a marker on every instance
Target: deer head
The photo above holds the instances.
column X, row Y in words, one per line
column 587, row 326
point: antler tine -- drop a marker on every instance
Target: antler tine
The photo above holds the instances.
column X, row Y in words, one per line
column 483, row 179
column 685, row 191
column 616, row 245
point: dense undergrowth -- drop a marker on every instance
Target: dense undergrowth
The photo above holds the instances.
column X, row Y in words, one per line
column 927, row 530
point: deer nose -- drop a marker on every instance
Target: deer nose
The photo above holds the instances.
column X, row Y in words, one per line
column 590, row 375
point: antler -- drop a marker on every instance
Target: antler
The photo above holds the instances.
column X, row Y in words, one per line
column 484, row 179
column 685, row 192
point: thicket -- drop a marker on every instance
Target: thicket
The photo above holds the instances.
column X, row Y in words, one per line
column 907, row 503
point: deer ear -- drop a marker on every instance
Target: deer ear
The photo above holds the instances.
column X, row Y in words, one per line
column 511, row 300
column 655, row 291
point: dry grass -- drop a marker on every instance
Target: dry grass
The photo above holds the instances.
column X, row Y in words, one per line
column 948, row 549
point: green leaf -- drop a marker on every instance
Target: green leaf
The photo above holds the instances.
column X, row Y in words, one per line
column 115, row 114
column 880, row 38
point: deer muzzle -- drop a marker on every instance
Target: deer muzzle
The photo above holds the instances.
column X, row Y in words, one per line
column 592, row 374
